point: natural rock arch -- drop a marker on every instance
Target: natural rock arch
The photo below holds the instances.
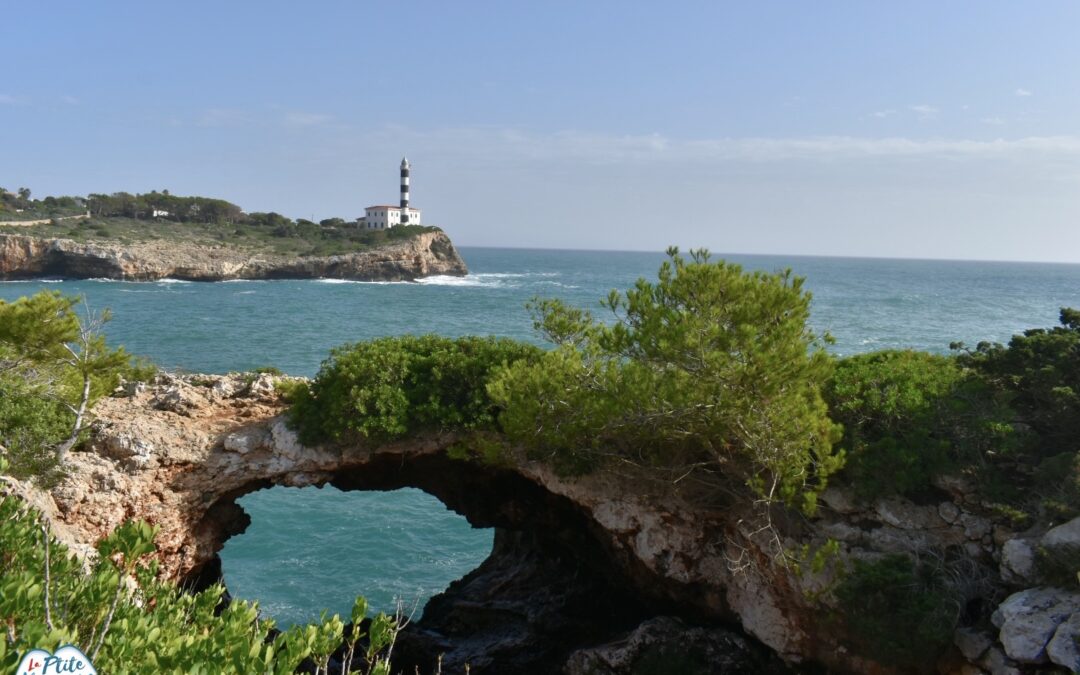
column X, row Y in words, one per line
column 575, row 563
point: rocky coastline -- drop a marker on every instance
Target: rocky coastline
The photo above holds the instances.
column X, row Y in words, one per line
column 26, row 257
column 596, row 574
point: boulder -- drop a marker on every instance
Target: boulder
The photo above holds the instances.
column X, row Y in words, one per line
column 1017, row 561
column 227, row 387
column 246, row 440
column 997, row 663
column 263, row 387
column 1064, row 648
column 1063, row 536
column 907, row 516
column 948, row 511
column 972, row 643
column 179, row 399
column 1029, row 619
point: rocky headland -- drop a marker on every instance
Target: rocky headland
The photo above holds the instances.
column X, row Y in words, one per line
column 600, row 574
column 26, row 257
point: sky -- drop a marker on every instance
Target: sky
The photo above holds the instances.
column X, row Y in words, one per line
column 921, row 129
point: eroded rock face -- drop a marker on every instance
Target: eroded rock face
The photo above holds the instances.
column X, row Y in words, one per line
column 581, row 566
column 22, row 257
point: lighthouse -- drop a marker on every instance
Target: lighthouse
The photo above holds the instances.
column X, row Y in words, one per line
column 404, row 190
column 382, row 217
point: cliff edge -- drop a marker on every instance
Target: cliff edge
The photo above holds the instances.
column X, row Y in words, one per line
column 27, row 257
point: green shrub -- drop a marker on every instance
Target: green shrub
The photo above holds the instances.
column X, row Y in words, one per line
column 54, row 364
column 1038, row 375
column 156, row 627
column 291, row 390
column 385, row 388
column 901, row 411
column 709, row 370
column 899, row 613
column 31, row 426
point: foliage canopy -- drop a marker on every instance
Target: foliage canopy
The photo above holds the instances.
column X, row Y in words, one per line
column 53, row 365
column 1037, row 375
column 709, row 368
column 909, row 416
column 48, row 599
column 385, row 388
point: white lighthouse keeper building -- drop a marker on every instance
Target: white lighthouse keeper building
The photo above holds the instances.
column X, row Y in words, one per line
column 382, row 217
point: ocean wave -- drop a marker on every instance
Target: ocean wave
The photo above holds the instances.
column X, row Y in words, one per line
column 446, row 280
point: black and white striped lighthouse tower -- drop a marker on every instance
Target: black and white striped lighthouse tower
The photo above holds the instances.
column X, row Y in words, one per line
column 404, row 190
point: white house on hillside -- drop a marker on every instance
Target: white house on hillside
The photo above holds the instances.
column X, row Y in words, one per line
column 382, row 217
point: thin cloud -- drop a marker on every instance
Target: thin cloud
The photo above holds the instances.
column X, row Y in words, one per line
column 70, row 100
column 924, row 111
column 993, row 121
column 7, row 99
column 500, row 144
column 1022, row 92
column 882, row 114
column 306, row 119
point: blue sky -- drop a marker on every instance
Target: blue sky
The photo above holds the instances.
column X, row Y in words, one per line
column 913, row 129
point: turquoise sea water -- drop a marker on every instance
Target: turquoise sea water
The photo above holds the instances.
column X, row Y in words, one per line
column 311, row 549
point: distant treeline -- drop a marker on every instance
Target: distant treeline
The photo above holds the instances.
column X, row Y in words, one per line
column 21, row 201
column 156, row 205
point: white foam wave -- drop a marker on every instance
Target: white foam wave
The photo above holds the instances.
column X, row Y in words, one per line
column 168, row 280
column 471, row 280
column 499, row 275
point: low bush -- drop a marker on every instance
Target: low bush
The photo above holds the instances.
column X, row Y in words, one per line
column 1038, row 374
column 909, row 416
column 48, row 599
column 900, row 613
column 709, row 371
column 54, row 364
column 386, row 388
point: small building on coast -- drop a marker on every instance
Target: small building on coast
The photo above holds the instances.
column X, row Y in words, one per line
column 384, row 216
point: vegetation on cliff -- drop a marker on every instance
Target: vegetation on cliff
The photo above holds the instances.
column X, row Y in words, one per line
column 1005, row 416
column 19, row 205
column 54, row 364
column 160, row 216
column 388, row 387
column 127, row 621
column 709, row 371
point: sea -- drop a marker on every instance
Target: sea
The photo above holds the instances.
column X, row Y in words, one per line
column 313, row 550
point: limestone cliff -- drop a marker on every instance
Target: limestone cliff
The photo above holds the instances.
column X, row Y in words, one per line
column 22, row 257
column 587, row 575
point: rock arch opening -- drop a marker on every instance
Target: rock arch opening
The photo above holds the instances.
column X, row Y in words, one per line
column 547, row 586
column 314, row 549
